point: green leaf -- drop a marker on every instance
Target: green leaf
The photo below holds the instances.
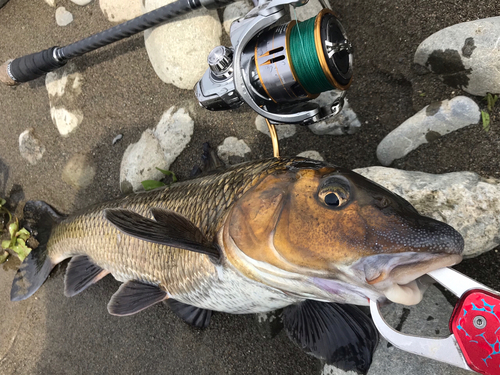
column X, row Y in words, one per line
column 422, row 94
column 2, row 202
column 4, row 256
column 21, row 249
column 151, row 184
column 23, row 234
column 486, row 120
column 6, row 244
column 13, row 228
column 491, row 99
column 168, row 173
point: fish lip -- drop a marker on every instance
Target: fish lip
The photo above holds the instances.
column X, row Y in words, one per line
column 405, row 273
column 400, row 277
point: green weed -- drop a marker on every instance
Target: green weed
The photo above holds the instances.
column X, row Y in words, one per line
column 153, row 184
column 18, row 237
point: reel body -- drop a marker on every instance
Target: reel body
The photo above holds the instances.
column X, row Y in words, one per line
column 278, row 69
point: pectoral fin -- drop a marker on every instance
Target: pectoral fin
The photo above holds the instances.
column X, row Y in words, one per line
column 80, row 274
column 134, row 296
column 170, row 229
column 198, row 317
column 342, row 335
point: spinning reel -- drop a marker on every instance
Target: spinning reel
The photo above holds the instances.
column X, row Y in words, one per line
column 278, row 69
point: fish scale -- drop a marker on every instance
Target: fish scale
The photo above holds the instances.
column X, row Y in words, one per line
column 204, row 201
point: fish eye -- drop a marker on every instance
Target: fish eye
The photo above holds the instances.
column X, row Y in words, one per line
column 334, row 195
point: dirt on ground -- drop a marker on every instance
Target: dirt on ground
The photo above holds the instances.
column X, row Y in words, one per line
column 121, row 94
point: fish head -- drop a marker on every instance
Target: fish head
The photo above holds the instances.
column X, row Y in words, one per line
column 322, row 232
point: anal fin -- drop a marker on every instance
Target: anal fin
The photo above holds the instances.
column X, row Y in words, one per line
column 80, row 274
column 340, row 334
column 195, row 316
column 134, row 296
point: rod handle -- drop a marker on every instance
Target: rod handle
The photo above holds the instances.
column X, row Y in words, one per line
column 29, row 67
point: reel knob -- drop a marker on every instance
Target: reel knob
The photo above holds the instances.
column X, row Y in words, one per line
column 220, row 61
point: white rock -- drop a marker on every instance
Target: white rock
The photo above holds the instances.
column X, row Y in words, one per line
column 81, row 2
column 64, row 88
column 158, row 147
column 30, row 147
column 79, row 171
column 139, row 162
column 63, row 17
column 346, row 122
column 174, row 132
column 119, row 10
column 178, row 50
column 65, row 120
column 311, row 154
column 52, row 3
column 233, row 12
column 429, row 318
column 433, row 121
column 464, row 200
column 232, row 146
column 63, row 81
column 283, row 131
column 465, row 55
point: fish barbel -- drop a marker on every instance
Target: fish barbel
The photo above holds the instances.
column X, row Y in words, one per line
column 256, row 237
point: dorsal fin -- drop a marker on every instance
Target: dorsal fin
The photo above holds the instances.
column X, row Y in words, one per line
column 134, row 296
column 342, row 335
column 196, row 316
column 80, row 274
column 170, row 229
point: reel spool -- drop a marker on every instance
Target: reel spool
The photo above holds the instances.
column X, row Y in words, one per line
column 298, row 61
column 277, row 70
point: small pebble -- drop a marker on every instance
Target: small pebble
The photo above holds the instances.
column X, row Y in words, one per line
column 30, row 147
column 63, row 17
column 117, row 139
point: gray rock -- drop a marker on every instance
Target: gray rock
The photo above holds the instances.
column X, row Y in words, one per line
column 464, row 200
column 429, row 318
column 116, row 11
column 232, row 149
column 465, row 55
column 79, row 171
column 178, row 51
column 346, row 122
column 233, row 12
column 30, row 147
column 64, row 89
column 63, row 17
column 283, row 131
column 157, row 148
column 311, row 154
column 433, row 121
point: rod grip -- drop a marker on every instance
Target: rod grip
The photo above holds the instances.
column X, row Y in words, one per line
column 30, row 67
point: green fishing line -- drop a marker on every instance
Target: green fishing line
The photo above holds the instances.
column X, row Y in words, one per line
column 305, row 59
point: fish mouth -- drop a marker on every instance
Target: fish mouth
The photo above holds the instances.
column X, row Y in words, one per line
column 402, row 278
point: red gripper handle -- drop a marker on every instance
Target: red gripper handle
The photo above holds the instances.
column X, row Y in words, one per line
column 475, row 322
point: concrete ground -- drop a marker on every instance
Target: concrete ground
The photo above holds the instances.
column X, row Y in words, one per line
column 52, row 334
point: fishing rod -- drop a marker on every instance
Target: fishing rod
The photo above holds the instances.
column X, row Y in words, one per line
column 276, row 69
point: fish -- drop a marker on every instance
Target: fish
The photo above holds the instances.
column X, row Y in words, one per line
column 305, row 236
